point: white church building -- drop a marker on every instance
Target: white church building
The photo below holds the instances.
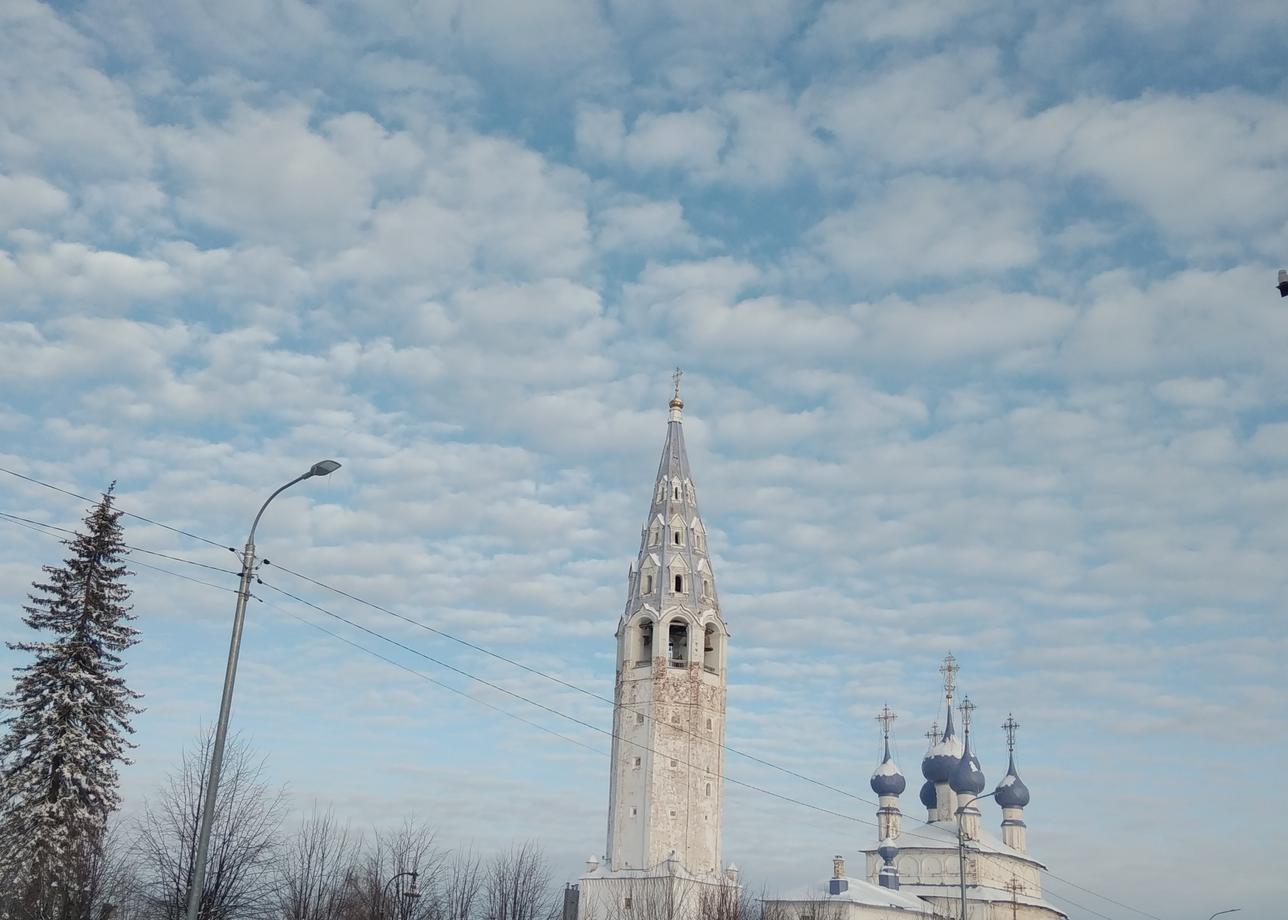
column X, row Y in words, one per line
column 662, row 858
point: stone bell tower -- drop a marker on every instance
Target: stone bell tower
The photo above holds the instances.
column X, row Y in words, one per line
column 665, row 788
column 663, row 850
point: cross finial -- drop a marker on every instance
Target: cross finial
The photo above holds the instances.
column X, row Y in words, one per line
column 676, row 379
column 966, row 708
column 1009, row 726
column 886, row 716
column 933, row 734
column 949, row 669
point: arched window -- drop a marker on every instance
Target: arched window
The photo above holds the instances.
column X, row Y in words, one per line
column 677, row 537
column 655, row 533
column 711, row 643
column 648, row 583
column 678, row 644
column 706, row 586
column 675, row 491
column 644, row 648
column 699, row 536
column 679, row 583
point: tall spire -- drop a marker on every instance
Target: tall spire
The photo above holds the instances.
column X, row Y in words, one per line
column 665, row 791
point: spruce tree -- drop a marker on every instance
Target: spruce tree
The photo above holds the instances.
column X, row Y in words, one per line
column 67, row 722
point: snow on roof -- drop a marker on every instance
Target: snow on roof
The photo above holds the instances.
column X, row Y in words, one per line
column 978, row 893
column 858, row 891
column 942, row 835
column 887, row 768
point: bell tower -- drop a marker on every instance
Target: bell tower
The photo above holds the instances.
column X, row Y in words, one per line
column 669, row 719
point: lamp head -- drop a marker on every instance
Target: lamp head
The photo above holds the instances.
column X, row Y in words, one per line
column 323, row 468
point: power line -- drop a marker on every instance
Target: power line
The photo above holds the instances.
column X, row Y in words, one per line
column 482, row 649
column 563, row 683
column 433, row 680
column 138, row 517
column 18, row 519
column 550, row 709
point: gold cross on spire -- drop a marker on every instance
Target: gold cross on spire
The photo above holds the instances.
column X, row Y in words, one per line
column 966, row 708
column 676, row 378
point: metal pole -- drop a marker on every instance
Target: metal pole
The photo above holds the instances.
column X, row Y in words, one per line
column 961, row 861
column 322, row 468
column 221, row 734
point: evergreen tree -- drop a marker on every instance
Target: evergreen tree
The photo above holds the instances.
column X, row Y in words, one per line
column 67, row 718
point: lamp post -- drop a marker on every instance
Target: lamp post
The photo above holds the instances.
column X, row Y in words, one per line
column 411, row 894
column 961, row 846
column 1227, row 911
column 321, row 468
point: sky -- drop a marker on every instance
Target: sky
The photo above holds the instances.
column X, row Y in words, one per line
column 975, row 303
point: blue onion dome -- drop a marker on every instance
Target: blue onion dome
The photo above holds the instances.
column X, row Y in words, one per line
column 887, row 780
column 887, row 850
column 968, row 777
column 1011, row 791
column 928, row 794
column 943, row 757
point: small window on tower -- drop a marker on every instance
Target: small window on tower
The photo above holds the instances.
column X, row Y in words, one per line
column 634, row 811
column 675, row 492
column 677, row 538
column 639, row 718
column 708, row 789
column 636, row 763
column 648, row 583
column 674, row 763
column 626, row 903
column 708, row 725
column 679, row 584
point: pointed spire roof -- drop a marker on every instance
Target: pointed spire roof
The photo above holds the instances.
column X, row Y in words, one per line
column 968, row 777
column 944, row 755
column 674, row 539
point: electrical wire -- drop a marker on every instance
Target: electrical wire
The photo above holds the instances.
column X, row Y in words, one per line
column 137, row 517
column 17, row 519
column 563, row 683
column 30, row 524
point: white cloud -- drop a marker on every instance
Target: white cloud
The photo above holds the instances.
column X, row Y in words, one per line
column 933, row 227
column 28, row 200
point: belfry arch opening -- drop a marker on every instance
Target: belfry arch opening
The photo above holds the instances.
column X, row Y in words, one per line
column 711, row 642
column 677, row 650
column 644, row 642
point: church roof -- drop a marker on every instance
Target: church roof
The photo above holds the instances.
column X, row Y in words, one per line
column 857, row 891
column 673, row 542
column 942, row 835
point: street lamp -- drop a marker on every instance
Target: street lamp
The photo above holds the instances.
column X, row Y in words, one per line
column 1227, row 911
column 961, row 845
column 321, row 468
column 411, row 894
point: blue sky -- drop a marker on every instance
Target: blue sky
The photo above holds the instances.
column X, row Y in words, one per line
column 982, row 350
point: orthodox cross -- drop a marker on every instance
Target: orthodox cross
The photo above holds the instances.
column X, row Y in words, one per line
column 1009, row 726
column 949, row 669
column 886, row 716
column 933, row 734
column 966, row 708
column 676, row 378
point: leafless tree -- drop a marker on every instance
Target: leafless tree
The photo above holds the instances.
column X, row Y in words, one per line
column 244, row 840
column 517, row 885
column 462, row 886
column 409, row 848
column 316, row 868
